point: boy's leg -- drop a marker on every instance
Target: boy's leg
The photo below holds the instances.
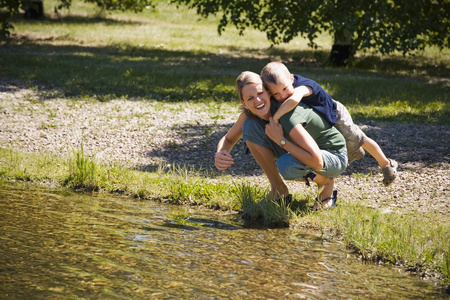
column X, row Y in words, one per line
column 374, row 149
column 266, row 160
column 388, row 166
column 353, row 135
column 357, row 138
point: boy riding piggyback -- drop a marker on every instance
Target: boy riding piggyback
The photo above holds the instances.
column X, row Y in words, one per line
column 290, row 89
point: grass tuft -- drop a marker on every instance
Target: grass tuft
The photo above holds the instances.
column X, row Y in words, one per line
column 256, row 209
column 82, row 172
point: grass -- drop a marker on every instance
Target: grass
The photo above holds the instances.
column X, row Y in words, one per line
column 411, row 240
column 169, row 56
column 82, row 172
column 152, row 56
column 173, row 184
column 408, row 239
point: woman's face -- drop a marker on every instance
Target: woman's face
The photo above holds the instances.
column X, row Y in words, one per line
column 256, row 99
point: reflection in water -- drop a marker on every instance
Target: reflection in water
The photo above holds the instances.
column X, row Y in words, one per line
column 60, row 245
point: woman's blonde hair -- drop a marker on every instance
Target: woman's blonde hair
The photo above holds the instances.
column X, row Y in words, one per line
column 246, row 78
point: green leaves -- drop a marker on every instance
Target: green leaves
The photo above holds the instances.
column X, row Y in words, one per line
column 384, row 26
column 8, row 8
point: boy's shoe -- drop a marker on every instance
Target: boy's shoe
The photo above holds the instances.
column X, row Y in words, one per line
column 356, row 155
column 390, row 172
column 319, row 204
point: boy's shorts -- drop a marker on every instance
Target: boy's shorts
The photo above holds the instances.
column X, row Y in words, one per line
column 335, row 162
column 353, row 135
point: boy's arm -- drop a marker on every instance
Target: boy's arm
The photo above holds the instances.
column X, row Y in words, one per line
column 290, row 103
column 223, row 159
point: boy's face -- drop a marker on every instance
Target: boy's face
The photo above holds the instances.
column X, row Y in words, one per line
column 256, row 99
column 284, row 89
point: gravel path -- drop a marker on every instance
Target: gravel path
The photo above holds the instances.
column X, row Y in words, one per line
column 142, row 133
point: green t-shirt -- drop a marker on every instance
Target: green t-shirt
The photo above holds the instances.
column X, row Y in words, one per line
column 326, row 136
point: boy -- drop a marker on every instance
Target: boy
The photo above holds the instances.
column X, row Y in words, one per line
column 291, row 89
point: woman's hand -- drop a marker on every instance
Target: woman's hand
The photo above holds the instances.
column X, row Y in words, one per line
column 223, row 160
column 274, row 131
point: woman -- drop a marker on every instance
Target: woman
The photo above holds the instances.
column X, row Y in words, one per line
column 308, row 145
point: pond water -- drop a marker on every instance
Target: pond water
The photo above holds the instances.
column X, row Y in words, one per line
column 56, row 244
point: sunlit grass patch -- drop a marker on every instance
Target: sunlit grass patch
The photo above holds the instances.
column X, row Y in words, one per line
column 187, row 186
column 433, row 112
column 409, row 239
column 31, row 166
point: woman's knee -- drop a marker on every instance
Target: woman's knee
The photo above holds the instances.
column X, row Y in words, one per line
column 291, row 169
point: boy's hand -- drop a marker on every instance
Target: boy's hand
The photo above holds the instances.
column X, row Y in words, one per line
column 223, row 160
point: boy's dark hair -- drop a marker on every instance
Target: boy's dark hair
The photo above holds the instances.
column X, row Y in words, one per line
column 273, row 71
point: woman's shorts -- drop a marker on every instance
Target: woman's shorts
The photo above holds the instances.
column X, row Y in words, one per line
column 334, row 164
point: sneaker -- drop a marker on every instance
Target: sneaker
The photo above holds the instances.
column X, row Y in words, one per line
column 390, row 172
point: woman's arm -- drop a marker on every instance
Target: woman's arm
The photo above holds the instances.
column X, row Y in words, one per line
column 223, row 159
column 304, row 148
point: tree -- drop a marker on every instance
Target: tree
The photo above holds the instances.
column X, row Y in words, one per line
column 9, row 8
column 381, row 25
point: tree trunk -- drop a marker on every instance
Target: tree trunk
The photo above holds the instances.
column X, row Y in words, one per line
column 34, row 9
column 341, row 52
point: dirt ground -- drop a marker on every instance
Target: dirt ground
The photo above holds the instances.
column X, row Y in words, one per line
column 142, row 133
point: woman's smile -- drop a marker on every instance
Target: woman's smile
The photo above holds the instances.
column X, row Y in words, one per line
column 257, row 100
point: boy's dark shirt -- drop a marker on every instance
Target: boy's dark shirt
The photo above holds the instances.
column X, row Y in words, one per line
column 319, row 100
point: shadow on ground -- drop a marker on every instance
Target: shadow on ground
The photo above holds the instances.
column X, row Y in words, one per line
column 413, row 146
column 156, row 73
